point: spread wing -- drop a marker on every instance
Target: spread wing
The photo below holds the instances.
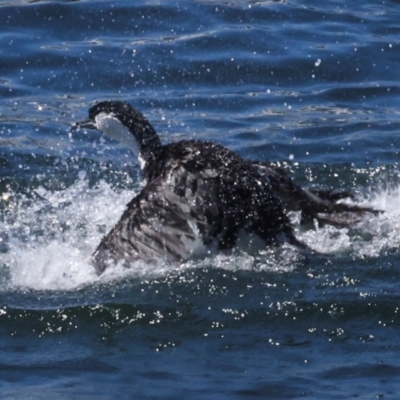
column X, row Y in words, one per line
column 157, row 224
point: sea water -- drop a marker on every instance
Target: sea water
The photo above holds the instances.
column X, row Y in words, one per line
column 310, row 86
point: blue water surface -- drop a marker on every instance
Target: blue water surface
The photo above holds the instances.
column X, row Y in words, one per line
column 310, row 85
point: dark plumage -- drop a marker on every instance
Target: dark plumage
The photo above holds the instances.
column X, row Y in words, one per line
column 199, row 191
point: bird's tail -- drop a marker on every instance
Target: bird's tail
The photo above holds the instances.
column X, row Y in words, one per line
column 325, row 206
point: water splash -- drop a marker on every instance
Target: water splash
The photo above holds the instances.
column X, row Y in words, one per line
column 372, row 236
column 48, row 238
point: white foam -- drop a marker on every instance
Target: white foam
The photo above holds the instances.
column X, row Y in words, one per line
column 372, row 236
column 51, row 238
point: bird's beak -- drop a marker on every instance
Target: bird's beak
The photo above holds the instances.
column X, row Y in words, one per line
column 86, row 124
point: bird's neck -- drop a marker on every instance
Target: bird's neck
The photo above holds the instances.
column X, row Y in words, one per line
column 147, row 141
